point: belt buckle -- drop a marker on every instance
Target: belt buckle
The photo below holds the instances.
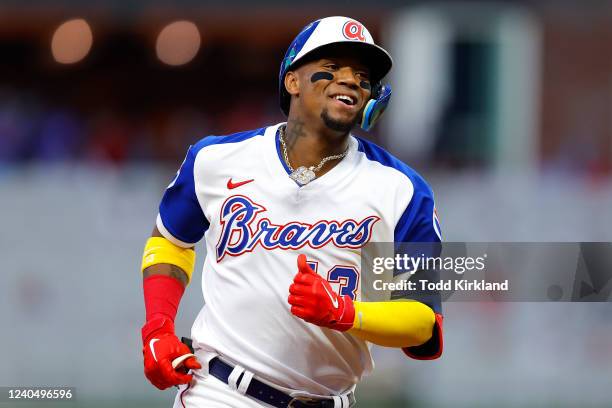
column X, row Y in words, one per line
column 304, row 400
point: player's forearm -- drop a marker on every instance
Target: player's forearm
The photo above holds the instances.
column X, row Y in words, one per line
column 172, row 271
column 393, row 323
column 166, row 269
column 166, row 272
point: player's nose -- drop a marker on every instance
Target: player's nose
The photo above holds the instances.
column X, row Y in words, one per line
column 347, row 76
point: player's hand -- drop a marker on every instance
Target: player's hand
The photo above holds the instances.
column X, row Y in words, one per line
column 312, row 299
column 166, row 359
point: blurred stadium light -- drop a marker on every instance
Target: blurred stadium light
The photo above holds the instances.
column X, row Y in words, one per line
column 71, row 41
column 178, row 43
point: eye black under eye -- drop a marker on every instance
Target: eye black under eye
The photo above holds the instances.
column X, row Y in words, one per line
column 321, row 75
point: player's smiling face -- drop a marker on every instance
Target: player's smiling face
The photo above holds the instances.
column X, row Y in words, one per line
column 334, row 89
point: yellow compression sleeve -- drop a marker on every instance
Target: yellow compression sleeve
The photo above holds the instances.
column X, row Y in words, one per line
column 393, row 323
column 159, row 250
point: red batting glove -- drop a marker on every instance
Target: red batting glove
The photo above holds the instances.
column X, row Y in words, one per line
column 312, row 299
column 161, row 348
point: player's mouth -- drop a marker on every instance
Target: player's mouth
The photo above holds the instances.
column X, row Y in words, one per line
column 344, row 100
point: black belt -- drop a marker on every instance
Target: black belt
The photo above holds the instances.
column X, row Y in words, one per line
column 270, row 395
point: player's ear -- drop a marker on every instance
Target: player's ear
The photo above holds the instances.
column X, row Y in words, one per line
column 292, row 83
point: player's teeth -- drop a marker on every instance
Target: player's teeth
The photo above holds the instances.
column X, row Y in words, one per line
column 345, row 98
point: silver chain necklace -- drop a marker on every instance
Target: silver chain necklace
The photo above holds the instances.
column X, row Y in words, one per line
column 304, row 175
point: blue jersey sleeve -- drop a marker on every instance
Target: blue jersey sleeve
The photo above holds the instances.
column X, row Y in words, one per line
column 419, row 224
column 181, row 219
column 417, row 221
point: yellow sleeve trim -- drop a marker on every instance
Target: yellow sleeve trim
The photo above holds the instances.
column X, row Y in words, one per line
column 394, row 323
column 159, row 250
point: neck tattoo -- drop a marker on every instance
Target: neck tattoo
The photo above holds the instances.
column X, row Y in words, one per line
column 304, row 175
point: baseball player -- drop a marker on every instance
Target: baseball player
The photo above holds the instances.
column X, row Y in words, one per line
column 285, row 211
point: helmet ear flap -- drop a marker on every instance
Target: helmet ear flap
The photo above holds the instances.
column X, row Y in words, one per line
column 374, row 108
column 376, row 88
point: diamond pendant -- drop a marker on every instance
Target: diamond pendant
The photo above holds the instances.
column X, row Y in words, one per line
column 302, row 175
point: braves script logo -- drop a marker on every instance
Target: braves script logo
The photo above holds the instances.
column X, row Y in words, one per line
column 353, row 31
column 242, row 231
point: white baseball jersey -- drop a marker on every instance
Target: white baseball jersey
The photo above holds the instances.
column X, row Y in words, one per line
column 236, row 193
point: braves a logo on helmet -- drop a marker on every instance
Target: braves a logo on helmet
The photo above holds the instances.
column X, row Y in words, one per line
column 354, row 30
column 239, row 234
